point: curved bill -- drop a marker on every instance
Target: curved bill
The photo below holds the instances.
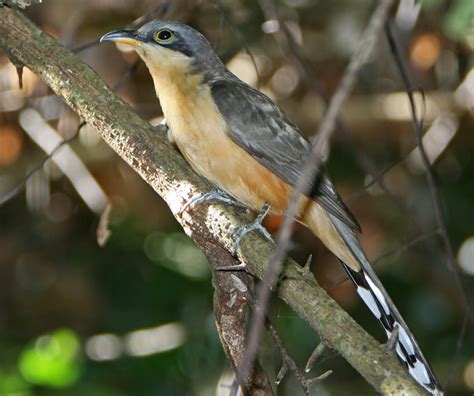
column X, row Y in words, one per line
column 128, row 37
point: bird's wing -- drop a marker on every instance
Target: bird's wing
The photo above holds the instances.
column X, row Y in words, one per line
column 258, row 125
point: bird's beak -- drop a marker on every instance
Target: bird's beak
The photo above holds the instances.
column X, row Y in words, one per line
column 129, row 37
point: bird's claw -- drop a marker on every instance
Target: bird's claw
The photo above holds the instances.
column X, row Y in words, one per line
column 256, row 225
column 162, row 126
column 218, row 195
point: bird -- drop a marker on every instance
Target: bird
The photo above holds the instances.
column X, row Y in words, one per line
column 239, row 139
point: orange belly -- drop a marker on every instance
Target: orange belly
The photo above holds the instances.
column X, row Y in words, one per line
column 200, row 132
column 234, row 170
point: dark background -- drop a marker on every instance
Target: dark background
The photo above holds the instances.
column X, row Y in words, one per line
column 135, row 317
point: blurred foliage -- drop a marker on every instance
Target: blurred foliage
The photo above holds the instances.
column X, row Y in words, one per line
column 70, row 309
column 459, row 21
column 52, row 360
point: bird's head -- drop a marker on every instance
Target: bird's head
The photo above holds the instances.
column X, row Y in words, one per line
column 167, row 46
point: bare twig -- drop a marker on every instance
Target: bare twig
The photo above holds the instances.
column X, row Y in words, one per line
column 405, row 246
column 237, row 33
column 127, row 75
column 288, row 362
column 457, row 353
column 307, row 265
column 320, row 378
column 287, row 43
column 19, row 187
column 311, row 169
column 318, row 351
column 435, row 195
column 85, row 46
column 103, row 232
column 156, row 12
column 400, row 248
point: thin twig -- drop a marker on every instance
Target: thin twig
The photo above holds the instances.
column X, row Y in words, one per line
column 289, row 46
column 320, row 378
column 237, row 33
column 400, row 248
column 156, row 12
column 85, row 46
column 311, row 169
column 376, row 179
column 457, row 353
column 405, row 246
column 19, row 187
column 127, row 75
column 288, row 362
column 318, row 351
column 435, row 195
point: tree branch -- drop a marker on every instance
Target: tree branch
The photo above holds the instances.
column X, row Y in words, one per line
column 19, row 3
column 147, row 151
column 229, row 310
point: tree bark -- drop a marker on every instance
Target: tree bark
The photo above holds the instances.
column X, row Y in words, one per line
column 147, row 151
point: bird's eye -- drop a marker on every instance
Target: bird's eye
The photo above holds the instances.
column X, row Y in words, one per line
column 164, row 36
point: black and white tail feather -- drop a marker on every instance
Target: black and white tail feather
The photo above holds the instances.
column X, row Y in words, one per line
column 380, row 304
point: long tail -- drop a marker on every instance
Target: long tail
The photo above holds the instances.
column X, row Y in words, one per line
column 380, row 304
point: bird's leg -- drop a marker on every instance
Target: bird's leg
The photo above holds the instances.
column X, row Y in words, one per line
column 256, row 225
column 217, row 194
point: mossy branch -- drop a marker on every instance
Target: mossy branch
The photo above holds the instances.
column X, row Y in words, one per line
column 147, row 151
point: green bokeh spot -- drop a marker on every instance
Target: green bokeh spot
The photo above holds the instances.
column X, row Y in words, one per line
column 13, row 384
column 459, row 19
column 53, row 360
column 429, row 4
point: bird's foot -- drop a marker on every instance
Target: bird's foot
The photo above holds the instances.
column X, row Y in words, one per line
column 218, row 195
column 162, row 126
column 256, row 225
column 164, row 123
